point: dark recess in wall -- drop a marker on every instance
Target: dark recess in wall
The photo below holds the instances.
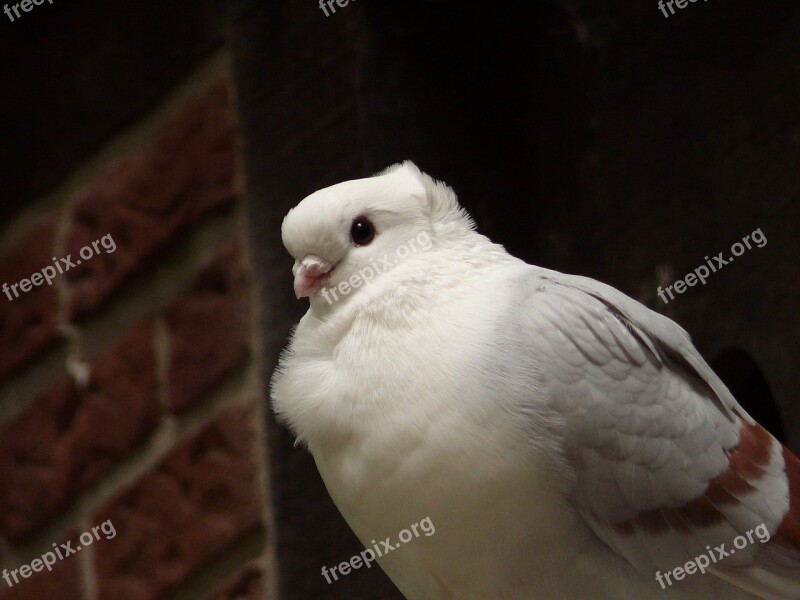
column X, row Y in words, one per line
column 749, row 386
column 494, row 102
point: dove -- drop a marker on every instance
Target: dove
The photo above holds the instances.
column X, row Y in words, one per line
column 566, row 441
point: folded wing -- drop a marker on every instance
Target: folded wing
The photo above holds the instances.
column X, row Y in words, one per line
column 669, row 466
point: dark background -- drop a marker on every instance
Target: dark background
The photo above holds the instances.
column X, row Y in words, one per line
column 594, row 137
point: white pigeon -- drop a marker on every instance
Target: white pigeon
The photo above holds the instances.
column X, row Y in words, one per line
column 564, row 440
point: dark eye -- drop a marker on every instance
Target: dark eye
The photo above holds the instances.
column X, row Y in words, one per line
column 362, row 231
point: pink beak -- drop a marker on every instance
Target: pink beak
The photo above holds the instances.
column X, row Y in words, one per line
column 310, row 275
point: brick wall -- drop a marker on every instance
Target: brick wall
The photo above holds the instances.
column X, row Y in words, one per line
column 129, row 388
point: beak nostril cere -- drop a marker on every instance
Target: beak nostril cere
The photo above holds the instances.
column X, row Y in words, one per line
column 310, row 275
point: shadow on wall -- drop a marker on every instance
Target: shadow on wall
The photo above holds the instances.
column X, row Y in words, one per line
column 749, row 386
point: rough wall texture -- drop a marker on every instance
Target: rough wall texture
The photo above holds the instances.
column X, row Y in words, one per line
column 129, row 390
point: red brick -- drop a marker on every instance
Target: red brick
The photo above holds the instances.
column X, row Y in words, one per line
column 63, row 582
column 207, row 330
column 145, row 200
column 247, row 584
column 195, row 505
column 28, row 324
column 70, row 437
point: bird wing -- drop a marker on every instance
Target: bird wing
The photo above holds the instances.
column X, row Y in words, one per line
column 668, row 465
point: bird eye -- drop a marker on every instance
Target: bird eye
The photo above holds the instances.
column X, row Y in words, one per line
column 362, row 231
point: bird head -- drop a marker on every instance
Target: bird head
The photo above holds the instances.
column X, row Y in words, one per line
column 347, row 235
